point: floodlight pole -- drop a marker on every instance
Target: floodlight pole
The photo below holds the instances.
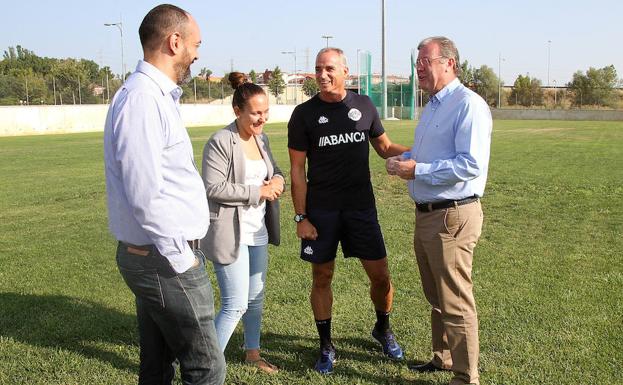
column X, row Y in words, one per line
column 119, row 25
column 384, row 63
column 549, row 46
column 500, row 79
column 54, row 88
column 27, row 98
column 358, row 74
column 327, row 37
column 554, row 92
column 79, row 92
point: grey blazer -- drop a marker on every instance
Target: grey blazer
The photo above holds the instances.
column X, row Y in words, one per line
column 223, row 175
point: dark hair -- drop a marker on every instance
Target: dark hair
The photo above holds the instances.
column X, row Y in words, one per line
column 159, row 23
column 243, row 89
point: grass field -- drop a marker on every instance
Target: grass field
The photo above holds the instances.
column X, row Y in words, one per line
column 548, row 270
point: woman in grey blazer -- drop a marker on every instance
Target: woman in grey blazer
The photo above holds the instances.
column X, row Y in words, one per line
column 242, row 184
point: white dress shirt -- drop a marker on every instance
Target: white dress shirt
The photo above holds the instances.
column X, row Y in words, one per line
column 155, row 193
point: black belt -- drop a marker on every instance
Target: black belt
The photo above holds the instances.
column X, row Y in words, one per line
column 428, row 207
column 194, row 244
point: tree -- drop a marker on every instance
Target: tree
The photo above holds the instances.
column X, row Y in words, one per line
column 47, row 80
column 527, row 91
column 71, row 80
column 205, row 73
column 596, row 87
column 11, row 90
column 253, row 76
column 482, row 80
column 276, row 84
column 310, row 87
column 486, row 84
column 467, row 74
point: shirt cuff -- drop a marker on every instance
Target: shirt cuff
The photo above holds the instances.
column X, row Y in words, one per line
column 422, row 171
column 182, row 262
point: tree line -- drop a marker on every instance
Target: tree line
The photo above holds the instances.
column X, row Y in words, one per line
column 26, row 78
column 595, row 87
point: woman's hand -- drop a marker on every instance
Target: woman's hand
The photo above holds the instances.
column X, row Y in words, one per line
column 267, row 192
column 272, row 189
column 277, row 183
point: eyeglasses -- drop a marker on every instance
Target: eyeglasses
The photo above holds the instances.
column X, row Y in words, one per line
column 426, row 61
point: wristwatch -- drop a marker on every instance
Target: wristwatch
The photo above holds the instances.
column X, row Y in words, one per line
column 299, row 218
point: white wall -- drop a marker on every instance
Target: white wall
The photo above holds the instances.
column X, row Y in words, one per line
column 38, row 120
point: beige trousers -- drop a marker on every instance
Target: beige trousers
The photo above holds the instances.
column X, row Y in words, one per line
column 444, row 243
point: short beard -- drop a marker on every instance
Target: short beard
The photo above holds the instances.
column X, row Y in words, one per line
column 184, row 77
column 182, row 70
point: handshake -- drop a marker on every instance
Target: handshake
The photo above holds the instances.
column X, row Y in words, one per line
column 271, row 189
column 401, row 165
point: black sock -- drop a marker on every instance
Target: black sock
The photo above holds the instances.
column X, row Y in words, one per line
column 382, row 321
column 324, row 332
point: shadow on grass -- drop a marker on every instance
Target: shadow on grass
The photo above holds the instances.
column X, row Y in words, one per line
column 53, row 321
column 296, row 354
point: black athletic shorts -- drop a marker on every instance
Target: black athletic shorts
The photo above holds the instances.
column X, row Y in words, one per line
column 358, row 231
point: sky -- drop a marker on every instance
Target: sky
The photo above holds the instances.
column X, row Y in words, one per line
column 548, row 39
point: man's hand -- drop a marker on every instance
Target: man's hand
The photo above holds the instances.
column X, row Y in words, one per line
column 305, row 230
column 391, row 163
column 404, row 168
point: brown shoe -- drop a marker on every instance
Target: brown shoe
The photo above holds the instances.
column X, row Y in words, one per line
column 263, row 365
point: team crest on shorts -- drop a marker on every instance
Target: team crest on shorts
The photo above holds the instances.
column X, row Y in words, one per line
column 308, row 250
column 323, row 119
column 354, row 114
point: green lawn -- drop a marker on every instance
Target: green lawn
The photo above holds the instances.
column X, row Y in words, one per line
column 548, row 271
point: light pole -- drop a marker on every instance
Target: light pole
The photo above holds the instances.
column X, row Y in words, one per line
column 119, row 25
column 549, row 46
column 79, row 92
column 554, row 92
column 358, row 74
column 500, row 79
column 293, row 53
column 27, row 98
column 327, row 37
column 383, row 63
column 54, row 88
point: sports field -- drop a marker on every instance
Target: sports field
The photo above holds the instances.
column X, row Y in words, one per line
column 548, row 269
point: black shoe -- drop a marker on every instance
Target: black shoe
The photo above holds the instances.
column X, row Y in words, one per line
column 427, row 367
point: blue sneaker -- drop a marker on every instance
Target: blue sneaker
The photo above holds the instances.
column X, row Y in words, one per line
column 324, row 364
column 390, row 347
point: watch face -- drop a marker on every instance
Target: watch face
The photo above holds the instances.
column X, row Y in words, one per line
column 299, row 217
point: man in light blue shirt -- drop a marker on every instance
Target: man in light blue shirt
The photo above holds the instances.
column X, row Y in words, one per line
column 446, row 172
column 157, row 206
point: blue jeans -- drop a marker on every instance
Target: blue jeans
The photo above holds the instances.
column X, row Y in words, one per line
column 175, row 319
column 242, row 295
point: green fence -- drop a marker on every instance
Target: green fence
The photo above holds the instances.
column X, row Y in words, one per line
column 400, row 101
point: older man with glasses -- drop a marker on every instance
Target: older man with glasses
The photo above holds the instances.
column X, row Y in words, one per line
column 446, row 172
